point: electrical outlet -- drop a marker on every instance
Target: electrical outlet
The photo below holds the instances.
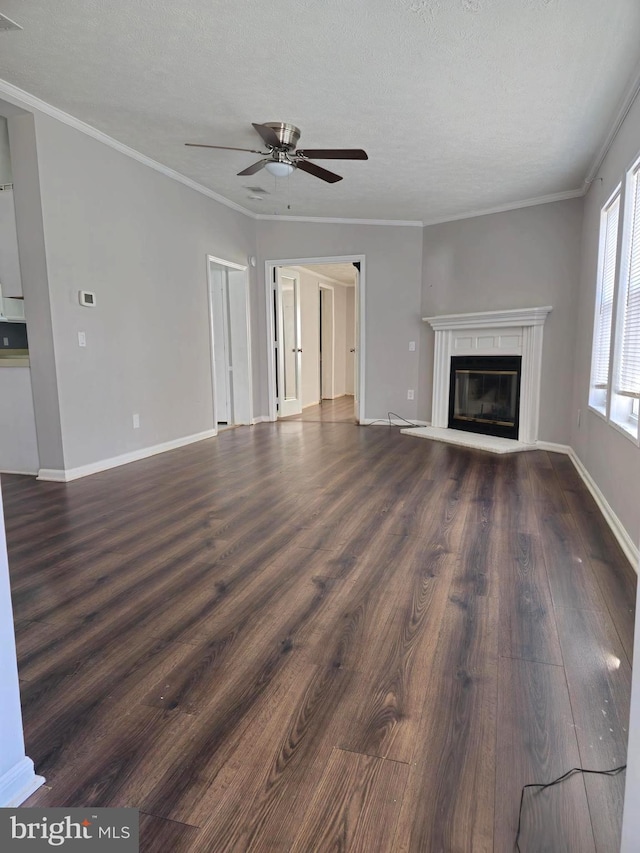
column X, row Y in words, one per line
column 136, row 421
column 412, row 346
column 410, row 394
column 5, row 342
column 82, row 339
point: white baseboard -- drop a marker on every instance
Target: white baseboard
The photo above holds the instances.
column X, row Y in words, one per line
column 65, row 475
column 554, row 448
column 261, row 419
column 624, row 540
column 18, row 783
column 21, row 473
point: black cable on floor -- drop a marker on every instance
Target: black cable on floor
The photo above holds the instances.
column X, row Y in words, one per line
column 396, row 415
column 564, row 776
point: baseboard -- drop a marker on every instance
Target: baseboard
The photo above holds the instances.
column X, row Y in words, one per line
column 392, row 422
column 554, row 448
column 624, row 540
column 21, row 473
column 18, row 783
column 261, row 419
column 65, row 475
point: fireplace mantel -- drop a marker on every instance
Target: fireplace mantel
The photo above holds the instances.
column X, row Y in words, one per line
column 508, row 332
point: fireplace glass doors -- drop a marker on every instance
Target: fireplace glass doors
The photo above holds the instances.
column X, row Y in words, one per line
column 484, row 394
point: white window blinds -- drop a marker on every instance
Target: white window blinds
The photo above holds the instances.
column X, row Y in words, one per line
column 604, row 310
column 628, row 373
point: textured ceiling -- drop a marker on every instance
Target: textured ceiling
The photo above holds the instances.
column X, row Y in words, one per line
column 462, row 105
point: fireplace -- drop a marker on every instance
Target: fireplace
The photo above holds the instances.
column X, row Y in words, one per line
column 484, row 394
column 510, row 333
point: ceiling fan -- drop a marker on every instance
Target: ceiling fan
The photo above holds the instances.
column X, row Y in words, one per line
column 281, row 158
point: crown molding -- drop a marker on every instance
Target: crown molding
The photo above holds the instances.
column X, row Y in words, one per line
column 329, row 220
column 20, row 98
column 630, row 95
column 516, row 205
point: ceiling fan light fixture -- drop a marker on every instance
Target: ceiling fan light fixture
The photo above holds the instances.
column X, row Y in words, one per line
column 279, row 168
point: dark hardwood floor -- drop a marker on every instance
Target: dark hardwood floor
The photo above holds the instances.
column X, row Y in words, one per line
column 312, row 636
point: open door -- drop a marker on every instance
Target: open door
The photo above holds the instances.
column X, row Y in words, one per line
column 229, row 320
column 356, row 349
column 288, row 346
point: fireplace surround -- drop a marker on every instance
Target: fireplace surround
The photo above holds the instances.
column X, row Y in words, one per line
column 505, row 333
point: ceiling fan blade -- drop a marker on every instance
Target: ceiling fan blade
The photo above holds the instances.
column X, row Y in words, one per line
column 268, row 135
column 251, row 170
column 318, row 171
column 223, row 147
column 333, row 153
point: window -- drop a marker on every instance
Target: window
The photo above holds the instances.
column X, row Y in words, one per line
column 604, row 303
column 615, row 360
column 626, row 387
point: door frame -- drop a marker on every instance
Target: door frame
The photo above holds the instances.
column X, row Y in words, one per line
column 360, row 304
column 240, row 389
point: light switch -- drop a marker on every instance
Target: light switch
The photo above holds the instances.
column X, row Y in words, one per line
column 5, row 342
column 82, row 339
column 412, row 346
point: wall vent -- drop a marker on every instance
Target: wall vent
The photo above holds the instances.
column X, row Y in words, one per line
column 5, row 187
column 8, row 24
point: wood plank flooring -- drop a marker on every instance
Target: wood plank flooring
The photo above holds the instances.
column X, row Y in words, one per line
column 313, row 636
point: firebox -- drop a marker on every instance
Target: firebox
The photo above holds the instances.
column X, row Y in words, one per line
column 484, row 394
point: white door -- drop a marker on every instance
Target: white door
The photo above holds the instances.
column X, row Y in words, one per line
column 229, row 327
column 221, row 346
column 355, row 350
column 288, row 342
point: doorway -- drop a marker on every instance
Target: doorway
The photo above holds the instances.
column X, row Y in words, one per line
column 231, row 385
column 329, row 356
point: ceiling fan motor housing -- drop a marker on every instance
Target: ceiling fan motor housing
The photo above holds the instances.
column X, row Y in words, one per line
column 288, row 134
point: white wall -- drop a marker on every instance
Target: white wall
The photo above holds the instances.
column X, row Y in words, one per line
column 139, row 240
column 351, row 340
column 310, row 337
column 10, row 280
column 340, row 340
column 17, row 777
column 393, row 286
column 520, row 259
column 18, row 442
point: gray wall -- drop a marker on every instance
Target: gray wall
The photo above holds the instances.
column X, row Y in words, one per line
column 393, row 282
column 35, row 287
column 139, row 240
column 610, row 457
column 520, row 259
column 6, row 176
